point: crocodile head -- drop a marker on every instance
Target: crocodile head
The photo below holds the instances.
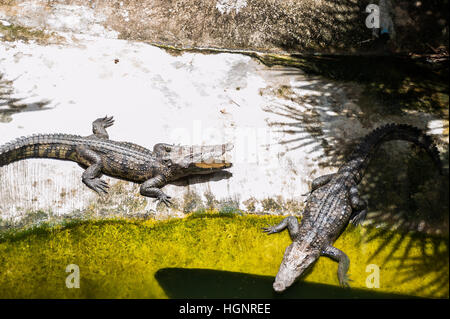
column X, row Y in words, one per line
column 192, row 160
column 297, row 259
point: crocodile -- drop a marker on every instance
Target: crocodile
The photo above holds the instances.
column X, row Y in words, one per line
column 332, row 203
column 99, row 155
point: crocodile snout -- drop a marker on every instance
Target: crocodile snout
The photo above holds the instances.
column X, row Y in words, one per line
column 278, row 287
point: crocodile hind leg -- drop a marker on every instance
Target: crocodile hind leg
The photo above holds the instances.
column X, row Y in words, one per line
column 359, row 207
column 91, row 176
column 151, row 188
column 344, row 263
column 99, row 127
column 290, row 222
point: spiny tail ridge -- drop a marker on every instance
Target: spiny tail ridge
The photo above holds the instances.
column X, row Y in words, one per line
column 389, row 132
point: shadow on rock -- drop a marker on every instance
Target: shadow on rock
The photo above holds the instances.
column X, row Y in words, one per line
column 10, row 105
column 198, row 179
column 342, row 98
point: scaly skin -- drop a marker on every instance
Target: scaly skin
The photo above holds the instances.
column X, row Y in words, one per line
column 124, row 160
column 334, row 202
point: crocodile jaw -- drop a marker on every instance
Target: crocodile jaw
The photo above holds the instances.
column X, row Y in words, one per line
column 200, row 159
column 213, row 165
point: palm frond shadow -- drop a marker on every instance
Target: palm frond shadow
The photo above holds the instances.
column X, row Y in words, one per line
column 423, row 257
column 418, row 224
column 10, row 105
column 404, row 190
column 301, row 120
column 347, row 29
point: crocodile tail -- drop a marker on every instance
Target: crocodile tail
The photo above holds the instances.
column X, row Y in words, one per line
column 56, row 146
column 390, row 132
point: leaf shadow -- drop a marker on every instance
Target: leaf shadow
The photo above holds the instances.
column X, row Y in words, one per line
column 10, row 104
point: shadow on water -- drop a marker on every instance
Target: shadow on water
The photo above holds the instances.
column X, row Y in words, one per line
column 10, row 105
column 184, row 283
column 431, row 264
column 410, row 209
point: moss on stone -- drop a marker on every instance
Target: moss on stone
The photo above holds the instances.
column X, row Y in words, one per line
column 250, row 204
column 191, row 201
column 14, row 32
column 270, row 204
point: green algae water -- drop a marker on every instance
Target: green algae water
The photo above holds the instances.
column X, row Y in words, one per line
column 211, row 255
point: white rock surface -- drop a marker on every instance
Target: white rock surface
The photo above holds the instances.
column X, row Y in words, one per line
column 277, row 118
column 58, row 17
column 154, row 97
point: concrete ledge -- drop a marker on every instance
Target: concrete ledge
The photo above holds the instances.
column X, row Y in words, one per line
column 324, row 26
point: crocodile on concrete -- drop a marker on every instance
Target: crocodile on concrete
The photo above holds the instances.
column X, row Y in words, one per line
column 100, row 155
column 332, row 203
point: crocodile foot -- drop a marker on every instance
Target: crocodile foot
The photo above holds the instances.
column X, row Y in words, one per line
column 270, row 229
column 359, row 218
column 105, row 121
column 306, row 195
column 98, row 185
column 344, row 281
column 163, row 198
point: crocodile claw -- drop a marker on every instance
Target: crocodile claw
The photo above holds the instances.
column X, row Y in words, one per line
column 359, row 218
column 164, row 199
column 344, row 281
column 100, row 186
column 269, row 230
column 107, row 121
column 306, row 194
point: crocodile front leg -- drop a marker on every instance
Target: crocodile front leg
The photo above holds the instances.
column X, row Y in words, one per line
column 359, row 207
column 99, row 127
column 91, row 175
column 291, row 223
column 151, row 188
column 344, row 263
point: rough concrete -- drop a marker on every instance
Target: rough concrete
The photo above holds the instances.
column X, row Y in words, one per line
column 323, row 26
